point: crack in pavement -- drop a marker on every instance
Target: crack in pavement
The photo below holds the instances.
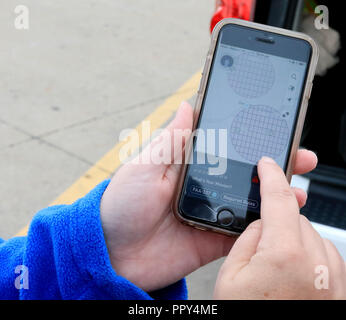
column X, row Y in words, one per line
column 76, row 124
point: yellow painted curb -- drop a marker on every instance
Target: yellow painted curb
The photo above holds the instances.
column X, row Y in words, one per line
column 110, row 161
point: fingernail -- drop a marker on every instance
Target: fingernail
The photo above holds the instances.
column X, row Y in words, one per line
column 268, row 160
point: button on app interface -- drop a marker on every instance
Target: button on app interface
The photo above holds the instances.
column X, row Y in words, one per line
column 251, row 103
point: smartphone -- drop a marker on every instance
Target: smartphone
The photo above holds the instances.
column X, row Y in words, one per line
column 252, row 102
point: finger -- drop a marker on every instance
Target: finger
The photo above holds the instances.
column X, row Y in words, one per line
column 180, row 129
column 301, row 196
column 211, row 245
column 312, row 242
column 336, row 263
column 168, row 145
column 243, row 249
column 305, row 161
column 279, row 206
column 172, row 173
column 178, row 150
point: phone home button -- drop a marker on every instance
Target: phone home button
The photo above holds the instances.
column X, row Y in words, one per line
column 225, row 217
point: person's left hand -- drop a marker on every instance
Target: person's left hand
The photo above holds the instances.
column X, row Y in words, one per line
column 146, row 243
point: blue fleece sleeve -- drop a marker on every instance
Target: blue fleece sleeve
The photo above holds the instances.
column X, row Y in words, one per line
column 65, row 257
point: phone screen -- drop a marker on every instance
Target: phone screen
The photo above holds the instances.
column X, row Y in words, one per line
column 249, row 110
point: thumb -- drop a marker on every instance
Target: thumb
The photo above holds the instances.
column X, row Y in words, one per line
column 243, row 249
column 180, row 129
column 169, row 144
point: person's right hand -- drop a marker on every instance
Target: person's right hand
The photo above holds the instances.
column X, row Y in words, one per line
column 147, row 245
column 281, row 256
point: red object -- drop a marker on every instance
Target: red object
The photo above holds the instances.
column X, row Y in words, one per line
column 241, row 9
column 255, row 179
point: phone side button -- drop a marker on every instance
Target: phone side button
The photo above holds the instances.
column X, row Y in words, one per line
column 200, row 228
column 202, row 75
column 309, row 90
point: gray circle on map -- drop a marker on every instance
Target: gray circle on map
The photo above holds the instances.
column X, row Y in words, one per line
column 251, row 76
column 259, row 131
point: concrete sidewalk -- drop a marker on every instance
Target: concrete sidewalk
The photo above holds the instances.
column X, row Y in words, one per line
column 84, row 71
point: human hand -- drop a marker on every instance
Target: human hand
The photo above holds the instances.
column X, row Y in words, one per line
column 146, row 243
column 276, row 257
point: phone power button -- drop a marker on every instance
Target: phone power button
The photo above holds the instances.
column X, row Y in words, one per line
column 309, row 90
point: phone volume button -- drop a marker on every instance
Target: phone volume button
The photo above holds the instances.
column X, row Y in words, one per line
column 202, row 75
column 200, row 84
column 205, row 68
column 199, row 88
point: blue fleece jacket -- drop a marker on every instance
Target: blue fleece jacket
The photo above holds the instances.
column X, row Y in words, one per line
column 65, row 256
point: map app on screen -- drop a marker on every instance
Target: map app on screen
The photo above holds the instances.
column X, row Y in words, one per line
column 255, row 96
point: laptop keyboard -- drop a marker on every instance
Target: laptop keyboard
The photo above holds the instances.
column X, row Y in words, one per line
column 325, row 210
